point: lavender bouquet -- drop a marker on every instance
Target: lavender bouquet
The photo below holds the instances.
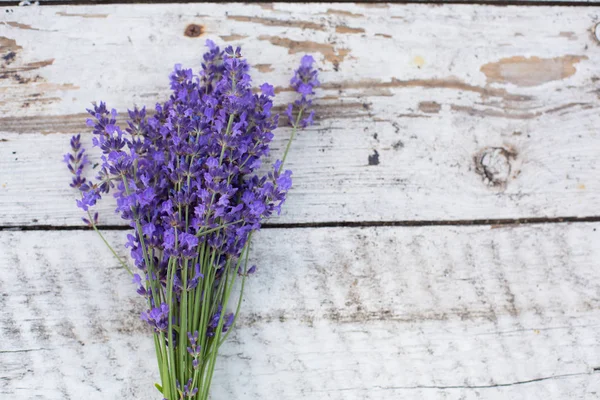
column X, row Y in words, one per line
column 184, row 178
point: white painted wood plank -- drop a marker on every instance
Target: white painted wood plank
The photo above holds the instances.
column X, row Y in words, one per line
column 373, row 2
column 427, row 113
column 372, row 313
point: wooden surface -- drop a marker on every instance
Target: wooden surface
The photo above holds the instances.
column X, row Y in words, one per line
column 428, row 115
column 332, row 313
column 411, row 115
column 375, row 2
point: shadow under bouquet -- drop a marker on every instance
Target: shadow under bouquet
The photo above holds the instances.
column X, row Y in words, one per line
column 185, row 178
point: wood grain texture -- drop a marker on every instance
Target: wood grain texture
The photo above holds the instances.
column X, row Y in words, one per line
column 426, row 113
column 341, row 313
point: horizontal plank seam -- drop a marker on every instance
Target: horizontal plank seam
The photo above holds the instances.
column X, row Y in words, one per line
column 527, row 3
column 341, row 224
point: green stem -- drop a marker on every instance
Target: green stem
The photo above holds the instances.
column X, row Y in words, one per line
column 289, row 143
column 168, row 388
column 203, row 233
column 217, row 338
column 171, row 350
column 198, row 290
column 123, row 264
column 182, row 345
column 239, row 304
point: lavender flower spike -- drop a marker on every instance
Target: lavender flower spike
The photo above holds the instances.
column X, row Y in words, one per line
column 304, row 82
column 300, row 113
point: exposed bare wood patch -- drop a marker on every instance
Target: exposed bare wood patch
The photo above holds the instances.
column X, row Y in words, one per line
column 28, row 66
column 430, row 107
column 409, row 115
column 343, row 13
column 39, row 100
column 384, row 35
column 567, row 106
column 490, row 112
column 347, row 29
column 46, row 124
column 531, row 71
column 232, row 38
column 329, row 97
column 449, row 83
column 510, row 113
column 264, row 67
column 374, row 5
column 8, row 45
column 15, row 24
column 68, row 14
column 343, row 110
column 329, row 52
column 278, row 22
column 11, row 68
column 266, row 6
column 569, row 35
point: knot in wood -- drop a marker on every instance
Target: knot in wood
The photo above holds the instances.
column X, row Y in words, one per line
column 193, row 30
column 494, row 165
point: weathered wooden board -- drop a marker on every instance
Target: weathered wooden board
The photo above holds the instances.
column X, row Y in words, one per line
column 426, row 112
column 373, row 3
column 332, row 313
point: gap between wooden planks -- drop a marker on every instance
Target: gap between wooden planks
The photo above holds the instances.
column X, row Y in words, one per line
column 560, row 3
column 453, row 113
column 333, row 313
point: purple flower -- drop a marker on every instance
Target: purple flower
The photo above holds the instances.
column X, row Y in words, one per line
column 158, row 317
column 304, row 82
column 214, row 322
column 141, row 290
column 267, row 89
column 92, row 222
column 284, row 182
column 76, row 160
column 228, row 322
column 188, row 391
column 305, row 78
column 194, row 348
column 188, row 244
column 193, row 283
